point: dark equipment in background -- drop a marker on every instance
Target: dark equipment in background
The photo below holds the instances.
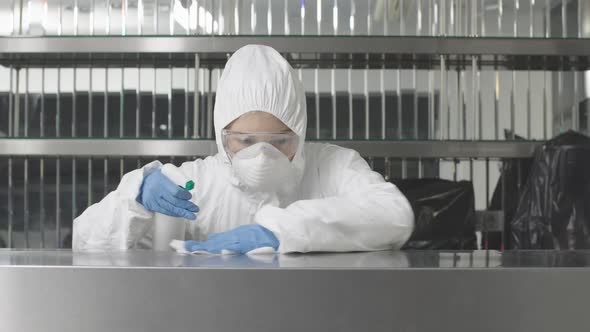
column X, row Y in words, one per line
column 554, row 206
column 444, row 212
column 513, row 178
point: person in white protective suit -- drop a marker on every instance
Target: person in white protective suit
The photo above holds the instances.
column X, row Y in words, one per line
column 265, row 188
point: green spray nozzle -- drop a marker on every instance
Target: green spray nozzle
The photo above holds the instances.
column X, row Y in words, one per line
column 189, row 185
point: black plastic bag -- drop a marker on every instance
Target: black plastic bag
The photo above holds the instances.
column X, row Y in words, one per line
column 554, row 207
column 515, row 173
column 444, row 212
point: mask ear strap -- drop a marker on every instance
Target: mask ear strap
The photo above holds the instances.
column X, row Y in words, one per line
column 227, row 155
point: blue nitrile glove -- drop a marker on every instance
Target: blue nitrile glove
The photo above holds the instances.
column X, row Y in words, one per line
column 239, row 240
column 159, row 194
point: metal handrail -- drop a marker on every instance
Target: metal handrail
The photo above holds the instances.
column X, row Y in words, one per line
column 196, row 147
column 298, row 44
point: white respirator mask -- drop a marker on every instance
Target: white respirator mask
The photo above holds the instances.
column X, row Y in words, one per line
column 263, row 168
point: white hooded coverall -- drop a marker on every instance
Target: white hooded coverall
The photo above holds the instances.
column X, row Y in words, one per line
column 335, row 201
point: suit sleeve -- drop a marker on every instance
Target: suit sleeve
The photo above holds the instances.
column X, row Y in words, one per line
column 118, row 221
column 359, row 211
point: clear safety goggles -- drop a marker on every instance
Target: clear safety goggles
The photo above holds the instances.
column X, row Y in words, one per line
column 234, row 141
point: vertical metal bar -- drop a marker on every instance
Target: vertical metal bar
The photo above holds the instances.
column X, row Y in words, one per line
column 140, row 17
column 547, row 18
column 333, row 95
column 188, row 17
column 547, row 33
column 195, row 3
column 398, row 92
column 513, row 82
column 487, row 186
column 580, row 19
column 575, row 108
column 482, row 10
column 515, row 19
column 560, row 109
column 42, row 163
column 402, row 29
column 154, row 100
column 463, row 17
column 26, row 107
column 366, row 93
column 157, row 18
column 268, row 17
column 500, row 14
column 478, row 105
column 17, row 105
column 11, row 102
column 106, row 128
column 196, row 102
column 106, row 106
column 402, row 18
column 531, row 19
column 333, row 73
column 415, row 83
column 349, row 74
column 528, row 103
column 186, row 76
column 26, row 162
column 564, row 18
column 138, row 101
column 252, row 18
column 20, row 21
column 503, row 201
column 382, row 90
column 220, row 22
column 474, row 18
column 431, row 117
column 170, row 101
column 528, row 91
column 124, row 17
column 74, row 106
column 453, row 30
column 431, row 31
column 287, row 30
column 186, row 88
column 302, row 16
column 10, row 181
column 369, row 19
column 108, row 18
column 400, row 134
column 350, row 103
column 545, row 99
column 474, row 102
column 580, row 22
column 210, row 104
column 444, row 106
column 443, row 18
column 317, row 99
column 138, row 106
column 496, row 99
column 121, row 118
column 463, row 109
column 90, row 105
column 414, row 73
column 122, row 104
column 460, row 104
column 58, row 134
column 171, row 19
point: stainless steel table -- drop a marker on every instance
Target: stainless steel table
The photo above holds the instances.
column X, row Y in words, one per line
column 380, row 291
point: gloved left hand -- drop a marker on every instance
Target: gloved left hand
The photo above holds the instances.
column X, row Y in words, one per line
column 240, row 240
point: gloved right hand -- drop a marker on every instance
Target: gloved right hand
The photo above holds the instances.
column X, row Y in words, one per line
column 160, row 194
